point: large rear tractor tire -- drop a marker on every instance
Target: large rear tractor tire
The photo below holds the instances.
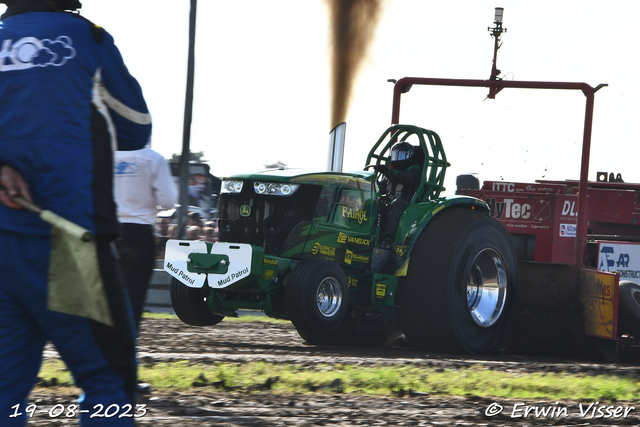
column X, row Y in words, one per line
column 190, row 305
column 317, row 297
column 630, row 308
column 461, row 287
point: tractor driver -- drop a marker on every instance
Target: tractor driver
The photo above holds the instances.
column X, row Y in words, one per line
column 404, row 174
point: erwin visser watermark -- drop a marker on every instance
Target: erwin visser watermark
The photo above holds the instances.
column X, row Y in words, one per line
column 557, row 410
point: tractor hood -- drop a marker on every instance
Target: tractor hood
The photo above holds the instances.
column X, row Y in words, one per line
column 306, row 176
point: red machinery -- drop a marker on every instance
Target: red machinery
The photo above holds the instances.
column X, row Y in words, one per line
column 542, row 217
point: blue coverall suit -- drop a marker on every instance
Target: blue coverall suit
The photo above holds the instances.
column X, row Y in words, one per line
column 67, row 102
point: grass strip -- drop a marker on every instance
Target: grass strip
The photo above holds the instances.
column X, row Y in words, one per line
column 477, row 380
column 243, row 318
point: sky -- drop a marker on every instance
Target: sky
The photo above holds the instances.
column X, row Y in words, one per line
column 262, row 82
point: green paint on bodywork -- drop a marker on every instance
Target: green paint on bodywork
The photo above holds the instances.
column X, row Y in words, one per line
column 208, row 263
column 265, row 279
column 418, row 216
column 383, row 291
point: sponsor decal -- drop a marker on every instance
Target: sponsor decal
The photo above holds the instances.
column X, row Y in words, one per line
column 345, row 238
column 620, row 258
column 333, row 179
column 269, row 261
column 378, row 252
column 323, row 250
column 568, row 230
column 245, row 210
column 351, row 202
column 30, row 52
column 126, row 168
column 436, row 210
column 381, row 290
column 180, row 273
column 268, row 274
column 504, row 186
column 510, row 209
column 349, row 257
column 401, row 250
column 351, row 282
column 346, row 181
column 569, row 208
column 233, row 276
column 511, row 187
column 354, row 213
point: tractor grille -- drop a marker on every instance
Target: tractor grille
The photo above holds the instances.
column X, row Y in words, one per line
column 270, row 219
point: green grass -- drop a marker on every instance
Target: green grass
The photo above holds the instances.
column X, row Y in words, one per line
column 244, row 318
column 254, row 318
column 147, row 315
column 477, row 380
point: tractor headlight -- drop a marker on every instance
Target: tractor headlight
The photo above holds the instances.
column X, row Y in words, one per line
column 274, row 189
column 231, row 186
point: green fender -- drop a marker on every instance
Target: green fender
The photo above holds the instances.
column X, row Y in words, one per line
column 417, row 216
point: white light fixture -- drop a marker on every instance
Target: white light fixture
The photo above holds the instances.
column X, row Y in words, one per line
column 231, row 187
column 274, row 188
column 498, row 16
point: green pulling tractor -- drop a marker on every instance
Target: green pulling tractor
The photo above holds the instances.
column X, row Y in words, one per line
column 306, row 247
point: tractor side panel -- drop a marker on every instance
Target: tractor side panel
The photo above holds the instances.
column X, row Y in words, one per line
column 344, row 232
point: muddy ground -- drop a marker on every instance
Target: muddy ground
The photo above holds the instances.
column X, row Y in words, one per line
column 169, row 340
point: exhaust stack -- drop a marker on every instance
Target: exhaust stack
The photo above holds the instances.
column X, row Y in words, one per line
column 336, row 148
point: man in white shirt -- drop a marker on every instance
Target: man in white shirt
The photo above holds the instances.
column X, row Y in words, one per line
column 143, row 183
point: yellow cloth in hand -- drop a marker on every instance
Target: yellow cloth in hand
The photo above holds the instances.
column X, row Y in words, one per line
column 75, row 283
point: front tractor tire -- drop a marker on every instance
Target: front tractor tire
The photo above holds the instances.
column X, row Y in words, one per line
column 317, row 297
column 461, row 287
column 190, row 305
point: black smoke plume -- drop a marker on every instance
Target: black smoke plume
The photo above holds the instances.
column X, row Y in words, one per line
column 352, row 27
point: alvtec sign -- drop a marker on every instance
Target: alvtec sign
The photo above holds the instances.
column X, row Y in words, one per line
column 508, row 208
column 544, row 215
column 541, row 210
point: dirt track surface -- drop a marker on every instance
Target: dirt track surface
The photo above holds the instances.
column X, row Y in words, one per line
column 171, row 340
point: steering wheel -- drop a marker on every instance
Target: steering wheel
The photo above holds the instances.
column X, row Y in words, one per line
column 385, row 187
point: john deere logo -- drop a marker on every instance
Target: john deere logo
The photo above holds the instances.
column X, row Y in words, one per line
column 245, row 210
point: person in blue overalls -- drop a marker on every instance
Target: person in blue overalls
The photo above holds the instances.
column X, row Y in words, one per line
column 67, row 102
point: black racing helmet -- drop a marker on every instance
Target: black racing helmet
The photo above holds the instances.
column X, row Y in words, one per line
column 68, row 4
column 402, row 155
column 60, row 4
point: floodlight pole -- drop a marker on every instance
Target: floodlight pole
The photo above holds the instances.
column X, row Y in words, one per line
column 496, row 33
column 186, row 132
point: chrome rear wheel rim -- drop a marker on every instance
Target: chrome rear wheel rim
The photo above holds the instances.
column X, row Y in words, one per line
column 329, row 296
column 487, row 288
